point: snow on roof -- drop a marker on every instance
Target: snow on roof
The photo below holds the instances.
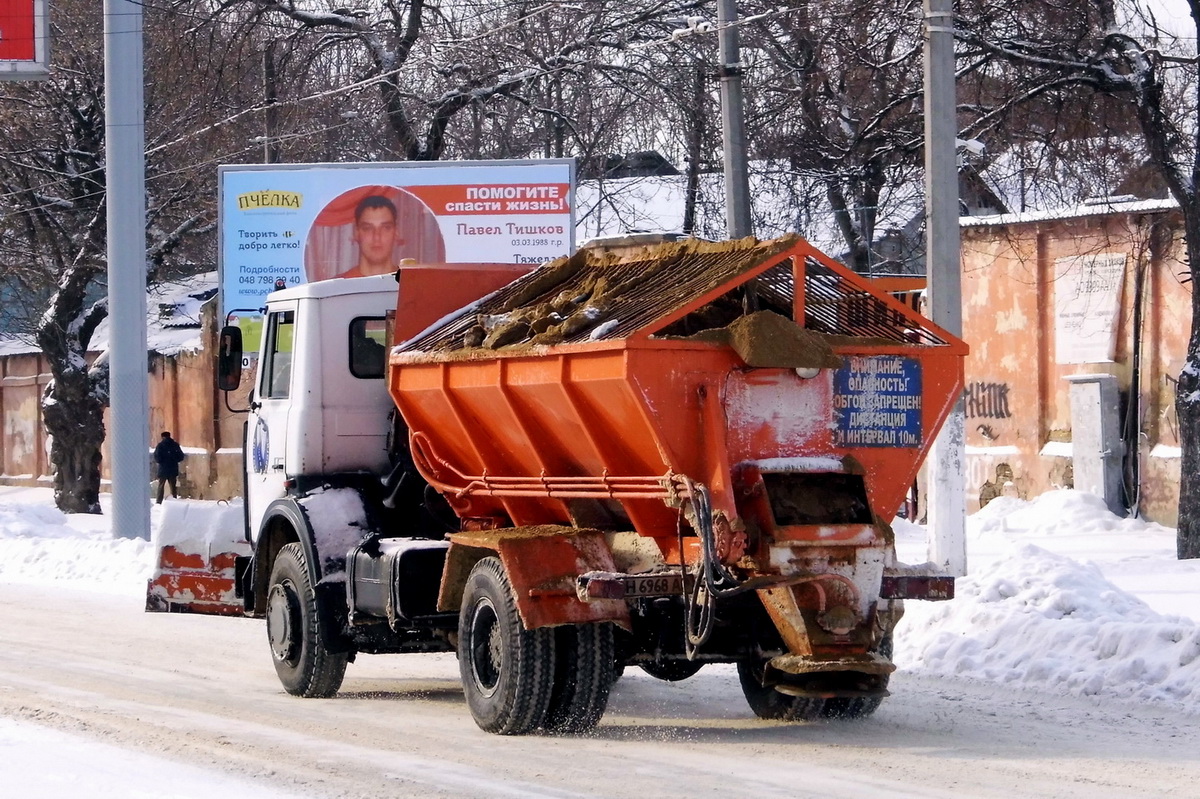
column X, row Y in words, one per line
column 1111, row 205
column 1039, row 175
column 172, row 319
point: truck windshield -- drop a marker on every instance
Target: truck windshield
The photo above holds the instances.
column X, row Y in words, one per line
column 277, row 370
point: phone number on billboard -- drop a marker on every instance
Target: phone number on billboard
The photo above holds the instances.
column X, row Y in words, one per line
column 265, row 280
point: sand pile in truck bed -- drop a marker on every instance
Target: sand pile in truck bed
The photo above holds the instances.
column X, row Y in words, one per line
column 595, row 296
column 766, row 339
column 748, row 294
column 588, row 292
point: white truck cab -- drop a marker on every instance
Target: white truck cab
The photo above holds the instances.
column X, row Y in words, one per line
column 320, row 404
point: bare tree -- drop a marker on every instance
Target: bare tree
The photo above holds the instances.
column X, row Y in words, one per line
column 1116, row 50
column 835, row 101
column 429, row 63
column 52, row 216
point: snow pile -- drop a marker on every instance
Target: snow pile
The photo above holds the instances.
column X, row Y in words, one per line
column 40, row 544
column 1041, row 619
column 1053, row 514
column 201, row 527
column 1064, row 596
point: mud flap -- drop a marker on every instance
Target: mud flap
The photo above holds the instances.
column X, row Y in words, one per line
column 542, row 563
column 332, row 617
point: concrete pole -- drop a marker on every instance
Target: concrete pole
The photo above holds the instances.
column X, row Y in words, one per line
column 946, row 501
column 733, row 123
column 125, row 177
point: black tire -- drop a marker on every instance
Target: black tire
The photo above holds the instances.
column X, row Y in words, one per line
column 671, row 670
column 305, row 667
column 859, row 707
column 507, row 671
column 767, row 703
column 584, row 672
column 850, row 708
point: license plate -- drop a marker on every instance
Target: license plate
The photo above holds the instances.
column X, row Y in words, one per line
column 652, row 585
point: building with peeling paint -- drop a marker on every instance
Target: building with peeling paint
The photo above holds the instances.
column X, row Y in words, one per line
column 1078, row 322
column 182, row 393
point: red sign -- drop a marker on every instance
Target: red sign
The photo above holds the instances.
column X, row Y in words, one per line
column 16, row 31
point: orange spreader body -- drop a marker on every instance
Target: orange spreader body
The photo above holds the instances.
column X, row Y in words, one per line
column 519, row 435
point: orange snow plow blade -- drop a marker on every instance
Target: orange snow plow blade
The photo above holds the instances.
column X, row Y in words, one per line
column 198, row 549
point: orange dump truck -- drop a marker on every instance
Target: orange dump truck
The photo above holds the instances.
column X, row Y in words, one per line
column 683, row 456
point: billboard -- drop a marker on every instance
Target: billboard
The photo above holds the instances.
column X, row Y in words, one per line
column 282, row 225
column 24, row 40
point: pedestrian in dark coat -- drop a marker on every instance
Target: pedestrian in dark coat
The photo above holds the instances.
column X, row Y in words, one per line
column 167, row 456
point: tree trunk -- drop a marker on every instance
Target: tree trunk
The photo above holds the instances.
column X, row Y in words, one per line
column 74, row 418
column 1187, row 404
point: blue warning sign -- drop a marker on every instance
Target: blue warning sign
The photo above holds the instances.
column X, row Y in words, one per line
column 877, row 402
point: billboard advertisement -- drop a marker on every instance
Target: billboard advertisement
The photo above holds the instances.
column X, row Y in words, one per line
column 24, row 40
column 287, row 224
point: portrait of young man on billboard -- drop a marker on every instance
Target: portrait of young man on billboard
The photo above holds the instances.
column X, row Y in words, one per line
column 369, row 231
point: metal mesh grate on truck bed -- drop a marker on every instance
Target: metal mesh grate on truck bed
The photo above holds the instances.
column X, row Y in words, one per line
column 676, row 289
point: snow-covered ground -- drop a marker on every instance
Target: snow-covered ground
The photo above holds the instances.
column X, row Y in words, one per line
column 1062, row 597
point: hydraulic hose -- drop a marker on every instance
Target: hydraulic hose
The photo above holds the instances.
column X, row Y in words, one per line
column 713, row 580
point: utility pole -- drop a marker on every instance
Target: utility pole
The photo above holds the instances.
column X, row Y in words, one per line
column 946, row 494
column 733, row 123
column 125, row 178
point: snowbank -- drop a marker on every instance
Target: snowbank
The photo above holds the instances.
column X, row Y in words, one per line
column 40, row 544
column 1062, row 596
column 1044, row 620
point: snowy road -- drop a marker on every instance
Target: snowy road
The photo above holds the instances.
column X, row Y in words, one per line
column 202, row 691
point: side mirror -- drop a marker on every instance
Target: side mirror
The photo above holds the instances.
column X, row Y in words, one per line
column 229, row 358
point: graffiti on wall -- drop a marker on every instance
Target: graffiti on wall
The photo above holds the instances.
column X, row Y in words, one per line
column 987, row 401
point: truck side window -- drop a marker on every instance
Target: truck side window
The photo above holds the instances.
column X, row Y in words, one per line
column 277, row 369
column 367, row 349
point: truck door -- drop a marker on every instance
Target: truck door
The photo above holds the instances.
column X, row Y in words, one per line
column 266, row 467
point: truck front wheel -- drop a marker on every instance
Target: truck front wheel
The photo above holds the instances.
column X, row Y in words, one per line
column 305, row 667
column 507, row 671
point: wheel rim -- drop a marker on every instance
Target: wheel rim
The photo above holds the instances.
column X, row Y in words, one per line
column 487, row 648
column 283, row 612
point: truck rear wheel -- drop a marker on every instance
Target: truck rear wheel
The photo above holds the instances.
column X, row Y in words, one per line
column 585, row 670
column 859, row 707
column 767, row 703
column 507, row 671
column 305, row 667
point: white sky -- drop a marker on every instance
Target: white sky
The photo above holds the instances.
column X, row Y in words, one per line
column 1172, row 15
